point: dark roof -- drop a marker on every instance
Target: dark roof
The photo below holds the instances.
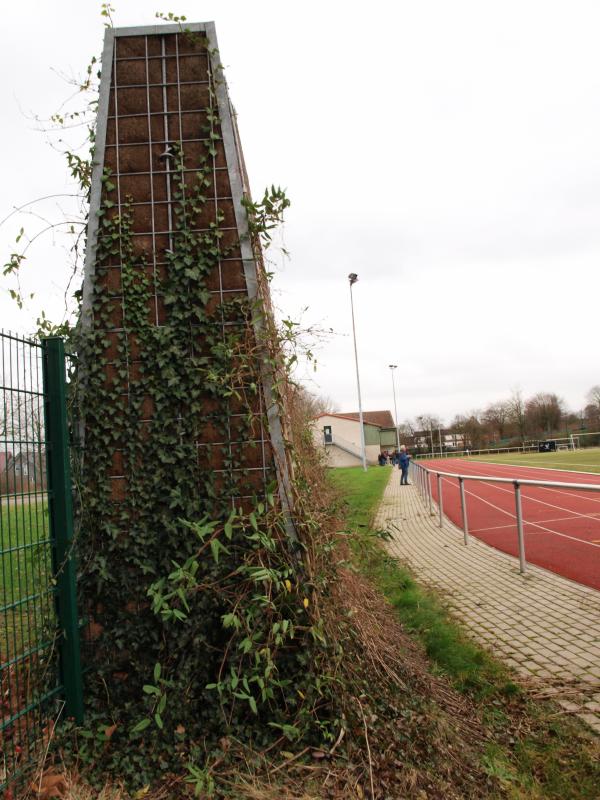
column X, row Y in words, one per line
column 381, row 419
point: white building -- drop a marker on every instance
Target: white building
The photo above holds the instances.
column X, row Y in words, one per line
column 339, row 436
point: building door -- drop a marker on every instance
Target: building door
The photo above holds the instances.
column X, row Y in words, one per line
column 327, row 435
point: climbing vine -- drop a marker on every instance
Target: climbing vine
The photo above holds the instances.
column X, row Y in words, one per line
column 203, row 613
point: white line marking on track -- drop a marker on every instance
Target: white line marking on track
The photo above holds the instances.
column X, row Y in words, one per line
column 544, row 521
column 513, row 516
column 546, row 469
column 536, row 500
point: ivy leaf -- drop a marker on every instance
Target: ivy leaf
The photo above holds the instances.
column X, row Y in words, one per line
column 141, row 726
column 216, row 547
column 228, row 527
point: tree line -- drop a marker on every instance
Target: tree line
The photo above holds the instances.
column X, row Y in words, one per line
column 510, row 422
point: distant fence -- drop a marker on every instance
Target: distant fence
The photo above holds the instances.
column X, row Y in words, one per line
column 40, row 674
column 527, row 448
column 574, row 441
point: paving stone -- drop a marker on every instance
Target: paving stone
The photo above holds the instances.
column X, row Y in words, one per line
column 538, row 623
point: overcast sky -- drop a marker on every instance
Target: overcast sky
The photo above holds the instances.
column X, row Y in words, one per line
column 447, row 152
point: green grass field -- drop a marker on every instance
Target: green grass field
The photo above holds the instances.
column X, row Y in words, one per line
column 25, row 573
column 576, row 460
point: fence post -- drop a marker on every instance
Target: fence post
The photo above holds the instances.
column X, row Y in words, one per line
column 522, row 561
column 429, row 492
column 60, row 504
column 440, row 500
column 463, row 506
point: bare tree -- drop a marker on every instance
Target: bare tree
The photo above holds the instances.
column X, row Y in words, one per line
column 593, row 397
column 591, row 416
column 428, row 425
column 406, row 432
column 545, row 411
column 22, row 449
column 497, row 417
column 516, row 406
column 311, row 405
column 470, row 428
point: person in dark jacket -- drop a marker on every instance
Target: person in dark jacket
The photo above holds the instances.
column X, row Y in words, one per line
column 403, row 464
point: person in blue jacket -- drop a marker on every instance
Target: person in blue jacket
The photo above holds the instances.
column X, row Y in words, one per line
column 403, row 465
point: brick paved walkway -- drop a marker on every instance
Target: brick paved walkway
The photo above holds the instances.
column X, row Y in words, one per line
column 544, row 626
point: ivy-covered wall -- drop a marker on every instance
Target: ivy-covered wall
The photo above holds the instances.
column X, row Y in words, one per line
column 189, row 575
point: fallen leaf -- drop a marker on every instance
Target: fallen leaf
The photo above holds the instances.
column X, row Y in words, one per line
column 50, row 785
column 108, row 731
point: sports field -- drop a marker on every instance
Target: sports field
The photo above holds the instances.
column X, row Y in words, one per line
column 561, row 525
column 578, row 460
column 26, row 597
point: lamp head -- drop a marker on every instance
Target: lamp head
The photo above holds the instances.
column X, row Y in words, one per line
column 353, row 277
column 393, row 366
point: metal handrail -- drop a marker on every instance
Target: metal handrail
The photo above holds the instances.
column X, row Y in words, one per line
column 595, row 487
column 424, row 485
column 348, row 446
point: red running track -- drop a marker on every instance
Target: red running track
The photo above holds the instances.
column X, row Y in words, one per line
column 561, row 526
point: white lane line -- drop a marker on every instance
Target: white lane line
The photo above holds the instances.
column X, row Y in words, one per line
column 546, row 469
column 536, row 500
column 544, row 521
column 535, row 524
column 580, row 495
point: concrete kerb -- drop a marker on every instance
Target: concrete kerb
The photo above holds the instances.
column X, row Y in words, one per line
column 545, row 627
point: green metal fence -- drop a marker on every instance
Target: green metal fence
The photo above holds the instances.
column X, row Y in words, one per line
column 40, row 673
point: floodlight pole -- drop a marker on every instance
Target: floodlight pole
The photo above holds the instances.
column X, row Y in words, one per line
column 392, row 368
column 353, row 277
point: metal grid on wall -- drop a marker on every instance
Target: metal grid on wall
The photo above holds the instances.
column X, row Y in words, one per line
column 163, row 90
column 29, row 684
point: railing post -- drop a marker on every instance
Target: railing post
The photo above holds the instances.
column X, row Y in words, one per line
column 60, row 504
column 440, row 500
column 522, row 561
column 429, row 492
column 463, row 507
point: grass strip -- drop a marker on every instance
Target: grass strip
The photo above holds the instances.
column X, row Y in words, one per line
column 534, row 752
column 419, row 610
